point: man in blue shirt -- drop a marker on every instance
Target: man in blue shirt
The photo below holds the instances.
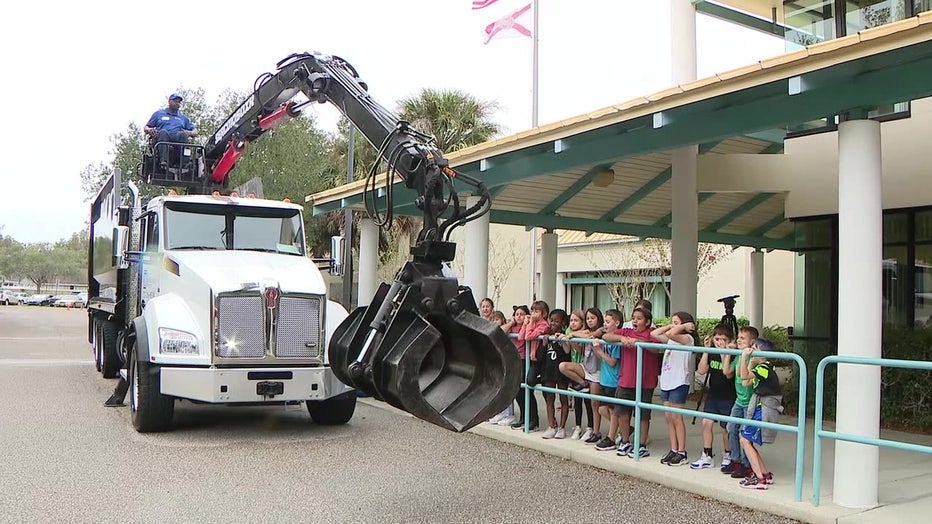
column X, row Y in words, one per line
column 169, row 125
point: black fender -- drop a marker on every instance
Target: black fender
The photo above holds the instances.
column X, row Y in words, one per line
column 140, row 335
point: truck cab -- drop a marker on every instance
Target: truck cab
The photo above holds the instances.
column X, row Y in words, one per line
column 214, row 301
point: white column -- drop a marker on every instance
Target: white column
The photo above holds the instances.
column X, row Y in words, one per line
column 548, row 268
column 476, row 258
column 682, row 41
column 561, row 300
column 685, row 202
column 685, row 241
column 860, row 295
column 368, row 261
column 756, row 289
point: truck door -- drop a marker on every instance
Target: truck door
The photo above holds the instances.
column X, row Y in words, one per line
column 151, row 259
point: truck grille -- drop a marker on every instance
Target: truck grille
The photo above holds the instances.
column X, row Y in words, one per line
column 240, row 327
column 244, row 323
column 298, row 333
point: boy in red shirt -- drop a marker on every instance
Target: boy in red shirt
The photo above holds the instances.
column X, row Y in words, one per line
column 627, row 378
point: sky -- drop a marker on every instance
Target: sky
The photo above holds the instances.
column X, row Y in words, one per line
column 76, row 73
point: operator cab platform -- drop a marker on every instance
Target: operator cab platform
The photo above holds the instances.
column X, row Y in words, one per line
column 184, row 168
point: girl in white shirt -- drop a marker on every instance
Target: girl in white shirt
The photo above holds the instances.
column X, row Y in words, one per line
column 674, row 380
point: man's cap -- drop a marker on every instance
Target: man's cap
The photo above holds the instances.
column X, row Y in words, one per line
column 176, row 96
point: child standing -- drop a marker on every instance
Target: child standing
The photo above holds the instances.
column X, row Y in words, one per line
column 554, row 355
column 577, row 372
column 674, row 380
column 610, row 356
column 507, row 416
column 740, row 467
column 535, row 325
column 766, row 404
column 720, row 397
column 627, row 379
column 486, row 307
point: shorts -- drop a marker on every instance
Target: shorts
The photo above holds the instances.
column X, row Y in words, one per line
column 753, row 433
column 675, row 396
column 628, row 394
column 593, row 377
column 719, row 407
column 607, row 391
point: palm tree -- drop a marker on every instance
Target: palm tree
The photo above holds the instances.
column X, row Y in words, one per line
column 455, row 119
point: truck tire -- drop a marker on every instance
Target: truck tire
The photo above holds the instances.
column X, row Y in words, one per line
column 151, row 410
column 109, row 351
column 333, row 411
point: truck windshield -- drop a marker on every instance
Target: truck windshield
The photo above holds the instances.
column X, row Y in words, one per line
column 247, row 228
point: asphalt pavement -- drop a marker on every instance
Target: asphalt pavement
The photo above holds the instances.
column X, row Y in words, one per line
column 66, row 457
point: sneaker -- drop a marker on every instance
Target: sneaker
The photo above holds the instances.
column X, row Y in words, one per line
column 506, row 421
column 624, row 448
column 519, row 424
column 643, row 452
column 726, row 460
column 577, row 432
column 730, row 468
column 705, row 461
column 561, row 433
column 678, row 459
column 496, row 418
column 605, row 444
column 582, row 388
column 549, row 433
column 618, row 441
column 593, row 438
column 740, row 472
column 753, row 482
column 768, row 478
column 585, row 436
column 666, row 458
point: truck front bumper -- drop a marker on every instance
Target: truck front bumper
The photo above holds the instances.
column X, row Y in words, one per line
column 219, row 386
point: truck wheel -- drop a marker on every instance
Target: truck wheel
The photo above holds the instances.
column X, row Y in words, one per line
column 109, row 351
column 151, row 410
column 333, row 411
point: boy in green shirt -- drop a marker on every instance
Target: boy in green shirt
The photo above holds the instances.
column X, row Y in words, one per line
column 740, row 467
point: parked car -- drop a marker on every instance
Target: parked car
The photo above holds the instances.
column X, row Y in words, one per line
column 39, row 300
column 69, row 301
column 8, row 298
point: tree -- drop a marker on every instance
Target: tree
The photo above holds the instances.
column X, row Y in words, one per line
column 454, row 118
column 625, row 273
column 503, row 258
column 657, row 252
column 37, row 264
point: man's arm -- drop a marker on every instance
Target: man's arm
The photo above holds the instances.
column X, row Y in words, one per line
column 189, row 128
column 151, row 127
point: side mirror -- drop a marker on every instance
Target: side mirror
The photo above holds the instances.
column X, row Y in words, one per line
column 120, row 246
column 337, row 246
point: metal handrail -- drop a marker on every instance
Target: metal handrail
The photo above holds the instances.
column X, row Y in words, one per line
column 799, row 429
column 819, row 433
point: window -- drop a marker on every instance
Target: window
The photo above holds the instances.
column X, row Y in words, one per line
column 220, row 227
column 150, row 226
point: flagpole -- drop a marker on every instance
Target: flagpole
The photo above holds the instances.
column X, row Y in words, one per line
column 534, row 123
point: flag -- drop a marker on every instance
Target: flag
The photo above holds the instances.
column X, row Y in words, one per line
column 512, row 21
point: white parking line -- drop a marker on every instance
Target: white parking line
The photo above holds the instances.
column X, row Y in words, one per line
column 43, row 362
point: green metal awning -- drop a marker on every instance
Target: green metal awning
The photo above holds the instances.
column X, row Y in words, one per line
column 545, row 177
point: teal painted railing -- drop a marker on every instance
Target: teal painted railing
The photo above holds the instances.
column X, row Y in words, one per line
column 799, row 429
column 819, row 433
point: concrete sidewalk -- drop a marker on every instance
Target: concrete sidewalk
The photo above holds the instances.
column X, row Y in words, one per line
column 905, row 478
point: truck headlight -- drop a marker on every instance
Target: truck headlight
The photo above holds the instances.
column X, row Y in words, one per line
column 174, row 342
